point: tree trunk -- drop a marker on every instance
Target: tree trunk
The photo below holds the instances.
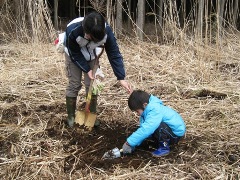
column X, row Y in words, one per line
column 140, row 18
column 235, row 13
column 200, row 18
column 182, row 13
column 31, row 17
column 86, row 4
column 129, row 20
column 79, row 8
column 206, row 20
column 119, row 18
column 109, row 10
column 160, row 12
column 72, row 9
column 16, row 9
column 56, row 14
column 220, row 11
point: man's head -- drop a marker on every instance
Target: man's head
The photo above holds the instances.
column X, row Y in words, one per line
column 94, row 26
column 138, row 100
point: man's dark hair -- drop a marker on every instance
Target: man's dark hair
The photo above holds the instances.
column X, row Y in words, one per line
column 137, row 99
column 94, row 24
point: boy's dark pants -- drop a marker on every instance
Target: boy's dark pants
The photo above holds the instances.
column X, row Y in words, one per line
column 164, row 134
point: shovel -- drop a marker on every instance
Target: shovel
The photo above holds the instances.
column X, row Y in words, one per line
column 112, row 154
column 86, row 117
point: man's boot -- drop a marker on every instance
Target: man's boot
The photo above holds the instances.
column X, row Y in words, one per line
column 71, row 107
column 163, row 149
column 93, row 108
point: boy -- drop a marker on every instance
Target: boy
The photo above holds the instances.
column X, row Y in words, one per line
column 162, row 123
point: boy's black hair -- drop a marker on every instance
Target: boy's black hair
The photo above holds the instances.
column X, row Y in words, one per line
column 137, row 99
column 94, row 25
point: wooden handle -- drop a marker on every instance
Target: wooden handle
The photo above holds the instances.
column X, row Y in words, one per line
column 95, row 67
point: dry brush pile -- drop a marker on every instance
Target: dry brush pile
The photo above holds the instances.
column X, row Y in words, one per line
column 201, row 82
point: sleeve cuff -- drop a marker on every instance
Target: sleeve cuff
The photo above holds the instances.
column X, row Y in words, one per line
column 122, row 78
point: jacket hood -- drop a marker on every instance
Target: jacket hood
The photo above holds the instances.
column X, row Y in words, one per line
column 153, row 100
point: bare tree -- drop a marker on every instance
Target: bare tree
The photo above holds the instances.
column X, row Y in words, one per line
column 129, row 20
column 235, row 12
column 220, row 10
column 160, row 12
column 72, row 9
column 200, row 18
column 109, row 11
column 140, row 18
column 17, row 11
column 182, row 13
column 56, row 14
column 119, row 17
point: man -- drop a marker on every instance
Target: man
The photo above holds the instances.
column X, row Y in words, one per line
column 83, row 35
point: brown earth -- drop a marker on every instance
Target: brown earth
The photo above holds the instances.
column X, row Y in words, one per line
column 83, row 148
column 87, row 148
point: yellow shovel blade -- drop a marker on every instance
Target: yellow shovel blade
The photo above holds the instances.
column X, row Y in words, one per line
column 87, row 119
column 90, row 119
column 80, row 117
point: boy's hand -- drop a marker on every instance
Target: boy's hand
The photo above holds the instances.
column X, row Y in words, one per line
column 127, row 149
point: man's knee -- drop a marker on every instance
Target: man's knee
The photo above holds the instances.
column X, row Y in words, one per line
column 72, row 90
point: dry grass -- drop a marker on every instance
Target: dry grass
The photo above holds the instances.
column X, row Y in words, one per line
column 201, row 82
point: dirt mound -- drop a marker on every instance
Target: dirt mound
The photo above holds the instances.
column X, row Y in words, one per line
column 87, row 148
column 83, row 148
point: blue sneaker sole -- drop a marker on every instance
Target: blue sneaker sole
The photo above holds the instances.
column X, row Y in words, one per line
column 155, row 155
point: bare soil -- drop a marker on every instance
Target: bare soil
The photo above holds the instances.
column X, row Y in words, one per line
column 86, row 148
column 89, row 146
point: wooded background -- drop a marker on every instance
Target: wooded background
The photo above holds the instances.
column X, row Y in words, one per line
column 186, row 52
column 156, row 20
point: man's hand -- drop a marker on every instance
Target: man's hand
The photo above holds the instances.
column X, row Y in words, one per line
column 126, row 85
column 90, row 74
column 127, row 149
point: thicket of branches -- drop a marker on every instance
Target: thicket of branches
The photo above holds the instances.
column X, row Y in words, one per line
column 26, row 21
column 172, row 20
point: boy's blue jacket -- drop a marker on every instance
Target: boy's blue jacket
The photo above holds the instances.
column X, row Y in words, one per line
column 155, row 113
column 75, row 39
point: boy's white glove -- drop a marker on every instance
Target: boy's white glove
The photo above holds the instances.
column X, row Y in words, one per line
column 99, row 73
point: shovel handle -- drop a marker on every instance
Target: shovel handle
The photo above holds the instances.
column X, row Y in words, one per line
column 95, row 67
